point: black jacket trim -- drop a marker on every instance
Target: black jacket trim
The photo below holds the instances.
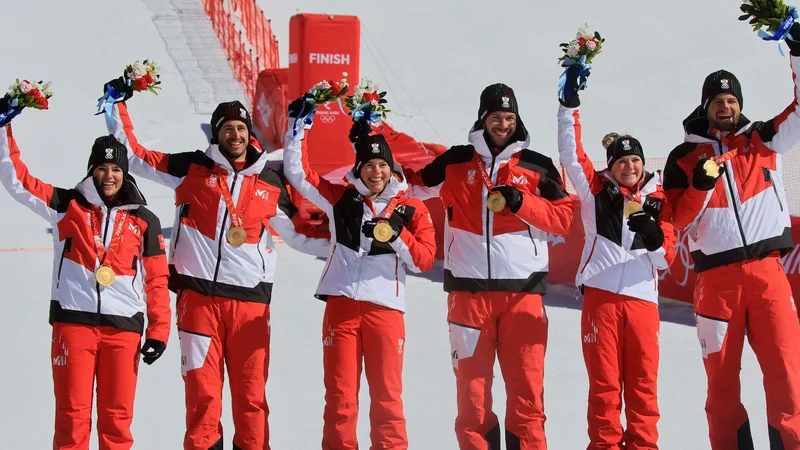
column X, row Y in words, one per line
column 261, row 293
column 59, row 314
column 759, row 249
column 535, row 284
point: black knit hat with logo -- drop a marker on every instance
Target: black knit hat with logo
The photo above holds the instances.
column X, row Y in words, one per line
column 497, row 97
column 107, row 149
column 721, row 82
column 229, row 111
column 623, row 146
column 370, row 146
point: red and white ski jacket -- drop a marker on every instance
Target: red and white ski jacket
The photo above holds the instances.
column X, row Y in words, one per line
column 614, row 258
column 360, row 267
column 201, row 258
column 138, row 258
column 486, row 251
column 746, row 215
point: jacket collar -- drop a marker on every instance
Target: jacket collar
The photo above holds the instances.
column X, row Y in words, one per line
column 394, row 187
column 130, row 197
column 254, row 163
column 696, row 127
column 651, row 183
column 477, row 139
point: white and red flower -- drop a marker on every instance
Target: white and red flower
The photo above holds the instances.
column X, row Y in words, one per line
column 144, row 76
column 585, row 44
column 328, row 90
column 33, row 94
column 367, row 94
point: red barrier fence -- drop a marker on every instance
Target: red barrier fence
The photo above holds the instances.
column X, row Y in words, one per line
column 246, row 35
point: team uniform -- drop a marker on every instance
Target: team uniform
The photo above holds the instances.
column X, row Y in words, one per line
column 223, row 290
column 364, row 285
column 97, row 329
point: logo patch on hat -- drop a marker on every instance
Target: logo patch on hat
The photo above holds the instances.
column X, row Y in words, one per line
column 376, row 147
column 724, row 83
column 626, row 145
column 109, row 153
column 506, row 102
column 242, row 113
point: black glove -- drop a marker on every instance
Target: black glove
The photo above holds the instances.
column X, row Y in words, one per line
column 512, row 195
column 301, row 107
column 152, row 350
column 645, row 225
column 793, row 39
column 118, row 89
column 360, row 127
column 369, row 228
column 702, row 181
column 576, row 77
column 7, row 112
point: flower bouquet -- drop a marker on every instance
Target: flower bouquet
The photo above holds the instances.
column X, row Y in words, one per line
column 328, row 90
column 583, row 48
column 774, row 15
column 367, row 102
column 143, row 76
column 24, row 94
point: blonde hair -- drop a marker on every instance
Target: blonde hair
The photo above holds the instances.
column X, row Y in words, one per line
column 609, row 139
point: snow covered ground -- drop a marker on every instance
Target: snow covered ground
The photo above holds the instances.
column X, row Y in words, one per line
column 442, row 54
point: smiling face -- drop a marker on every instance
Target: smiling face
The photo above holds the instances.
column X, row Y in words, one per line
column 628, row 170
column 500, row 126
column 233, row 139
column 108, row 177
column 375, row 175
column 723, row 112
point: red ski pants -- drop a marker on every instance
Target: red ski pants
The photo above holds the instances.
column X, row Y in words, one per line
column 513, row 325
column 752, row 297
column 80, row 355
column 354, row 331
column 216, row 332
column 620, row 348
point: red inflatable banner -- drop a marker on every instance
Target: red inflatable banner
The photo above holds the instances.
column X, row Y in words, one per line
column 269, row 107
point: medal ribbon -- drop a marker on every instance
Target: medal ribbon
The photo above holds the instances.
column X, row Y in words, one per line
column 725, row 157
column 116, row 238
column 237, row 214
column 390, row 207
column 484, row 176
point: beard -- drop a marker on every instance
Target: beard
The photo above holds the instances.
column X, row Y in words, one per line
column 231, row 154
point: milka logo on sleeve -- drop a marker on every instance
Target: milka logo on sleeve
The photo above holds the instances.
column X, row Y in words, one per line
column 521, row 179
column 262, row 193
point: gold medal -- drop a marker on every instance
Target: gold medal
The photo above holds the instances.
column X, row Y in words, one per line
column 105, row 276
column 496, row 202
column 237, row 236
column 630, row 208
column 711, row 168
column 383, row 232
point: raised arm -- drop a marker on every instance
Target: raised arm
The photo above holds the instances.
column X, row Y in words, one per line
column 162, row 168
column 42, row 198
column 783, row 132
column 302, row 177
column 576, row 163
column 416, row 243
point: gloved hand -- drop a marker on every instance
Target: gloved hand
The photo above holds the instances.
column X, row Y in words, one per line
column 360, row 127
column 302, row 106
column 512, row 195
column 702, row 181
column 643, row 223
column 793, row 39
column 7, row 111
column 576, row 81
column 118, row 90
column 369, row 228
column 152, row 350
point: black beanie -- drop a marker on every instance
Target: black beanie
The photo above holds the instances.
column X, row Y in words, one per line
column 721, row 82
column 107, row 149
column 229, row 111
column 370, row 146
column 497, row 97
column 623, row 146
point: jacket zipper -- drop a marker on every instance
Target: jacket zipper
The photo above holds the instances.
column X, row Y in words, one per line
column 330, row 261
column 135, row 267
column 768, row 177
column 775, row 189
column 535, row 250
column 221, row 237
column 488, row 232
column 105, row 234
column 735, row 207
column 396, row 278
column 263, row 263
column 591, row 252
column 67, row 247
column 183, row 213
